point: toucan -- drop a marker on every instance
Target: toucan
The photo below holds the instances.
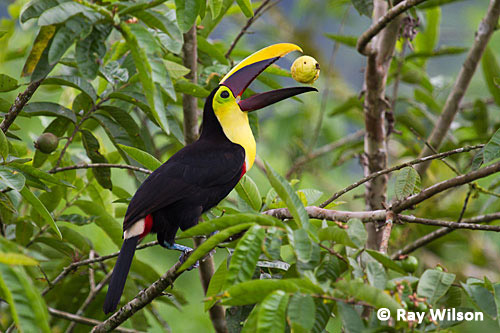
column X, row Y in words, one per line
column 201, row 174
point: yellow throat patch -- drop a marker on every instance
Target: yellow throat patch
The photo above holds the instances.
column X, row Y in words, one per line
column 234, row 123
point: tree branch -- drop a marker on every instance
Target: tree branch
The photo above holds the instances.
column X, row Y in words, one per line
column 374, row 107
column 386, row 233
column 381, row 215
column 190, row 103
column 83, row 320
column 444, row 185
column 299, row 162
column 92, row 294
column 338, row 194
column 143, row 298
column 85, row 117
column 381, row 23
column 100, row 165
column 452, row 105
column 207, row 269
column 245, row 28
column 19, row 104
column 68, row 269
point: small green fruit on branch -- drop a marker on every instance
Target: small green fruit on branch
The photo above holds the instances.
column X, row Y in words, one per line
column 305, row 69
column 47, row 143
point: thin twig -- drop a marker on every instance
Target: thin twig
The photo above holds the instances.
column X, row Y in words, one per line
column 326, row 91
column 100, row 165
column 424, row 240
column 333, row 252
column 68, row 269
column 143, row 298
column 338, row 194
column 451, row 107
column 91, row 296
column 444, row 185
column 381, row 215
column 245, row 28
column 19, row 104
column 83, row 320
column 85, row 117
column 299, row 162
column 375, row 28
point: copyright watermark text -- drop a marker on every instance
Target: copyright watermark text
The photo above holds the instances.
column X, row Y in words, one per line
column 452, row 314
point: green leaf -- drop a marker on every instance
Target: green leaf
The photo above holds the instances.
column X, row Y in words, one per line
column 105, row 221
column 66, row 36
column 246, row 7
column 357, row 232
column 350, row 41
column 426, row 40
column 174, row 40
column 36, row 173
column 407, row 182
column 301, row 312
column 371, row 295
column 7, row 83
column 323, row 315
column 42, row 40
column 249, row 192
column 385, row 261
column 302, row 245
column 90, row 51
column 492, row 149
column 215, row 7
column 145, row 76
column 254, row 291
column 364, row 7
column 102, row 175
column 491, row 70
column 142, row 157
column 216, row 284
column 481, row 296
column 27, row 307
column 376, row 274
column 61, row 13
column 13, row 180
column 175, row 70
column 189, row 88
column 73, row 82
column 36, row 7
column 40, row 208
column 435, row 3
column 288, row 195
column 351, row 321
column 4, row 105
column 271, row 318
column 211, row 50
column 227, row 221
column 4, row 145
column 48, row 109
column 211, row 243
column 13, row 259
column 496, row 293
column 337, row 235
column 187, row 11
column 245, row 256
column 433, row 284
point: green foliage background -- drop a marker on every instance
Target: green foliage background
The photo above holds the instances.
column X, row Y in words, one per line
column 115, row 71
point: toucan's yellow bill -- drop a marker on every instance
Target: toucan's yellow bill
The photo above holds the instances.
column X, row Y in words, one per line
column 240, row 77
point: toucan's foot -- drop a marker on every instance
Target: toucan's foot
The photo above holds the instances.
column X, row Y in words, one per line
column 185, row 252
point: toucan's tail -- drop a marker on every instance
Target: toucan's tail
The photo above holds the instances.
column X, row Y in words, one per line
column 120, row 273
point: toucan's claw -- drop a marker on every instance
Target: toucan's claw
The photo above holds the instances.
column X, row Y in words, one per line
column 186, row 250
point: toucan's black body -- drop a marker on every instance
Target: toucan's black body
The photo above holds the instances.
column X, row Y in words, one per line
column 192, row 181
column 200, row 175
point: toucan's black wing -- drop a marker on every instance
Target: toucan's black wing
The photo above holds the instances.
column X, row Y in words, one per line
column 195, row 170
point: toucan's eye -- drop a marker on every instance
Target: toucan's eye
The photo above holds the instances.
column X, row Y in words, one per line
column 224, row 94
